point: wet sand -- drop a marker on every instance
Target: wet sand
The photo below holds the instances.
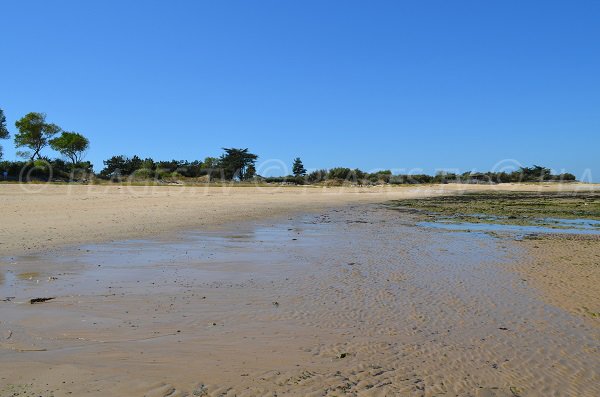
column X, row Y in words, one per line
column 567, row 270
column 349, row 301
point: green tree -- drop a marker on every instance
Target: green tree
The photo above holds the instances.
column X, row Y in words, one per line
column 210, row 163
column 383, row 176
column 120, row 166
column 34, row 133
column 340, row 173
column 116, row 166
column 4, row 134
column 298, row 168
column 236, row 162
column 250, row 172
column 72, row 145
column 535, row 173
column 567, row 177
column 317, row 176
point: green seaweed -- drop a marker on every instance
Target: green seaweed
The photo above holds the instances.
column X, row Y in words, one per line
column 515, row 208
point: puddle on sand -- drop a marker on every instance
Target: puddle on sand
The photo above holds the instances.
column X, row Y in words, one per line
column 231, row 307
column 209, row 256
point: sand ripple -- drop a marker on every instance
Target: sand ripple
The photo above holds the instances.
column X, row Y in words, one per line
column 350, row 302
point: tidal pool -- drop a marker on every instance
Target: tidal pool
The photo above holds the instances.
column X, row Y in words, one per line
column 563, row 226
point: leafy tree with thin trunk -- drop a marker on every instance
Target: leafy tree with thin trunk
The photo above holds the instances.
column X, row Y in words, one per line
column 34, row 133
column 298, row 168
column 4, row 134
column 72, row 145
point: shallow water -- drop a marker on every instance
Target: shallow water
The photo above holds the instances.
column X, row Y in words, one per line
column 579, row 223
column 209, row 256
column 567, row 226
column 272, row 307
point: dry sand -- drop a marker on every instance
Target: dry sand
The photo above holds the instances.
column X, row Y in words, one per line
column 347, row 299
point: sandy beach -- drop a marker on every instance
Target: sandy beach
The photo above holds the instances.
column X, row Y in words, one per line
column 171, row 291
column 36, row 218
column 304, row 199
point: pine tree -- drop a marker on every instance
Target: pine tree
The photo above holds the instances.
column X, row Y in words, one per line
column 298, row 168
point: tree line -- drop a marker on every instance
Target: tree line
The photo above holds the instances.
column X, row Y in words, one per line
column 356, row 176
column 35, row 134
column 233, row 164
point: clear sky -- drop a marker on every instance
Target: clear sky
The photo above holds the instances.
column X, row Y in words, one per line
column 370, row 84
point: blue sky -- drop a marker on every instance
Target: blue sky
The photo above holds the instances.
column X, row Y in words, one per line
column 370, row 84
